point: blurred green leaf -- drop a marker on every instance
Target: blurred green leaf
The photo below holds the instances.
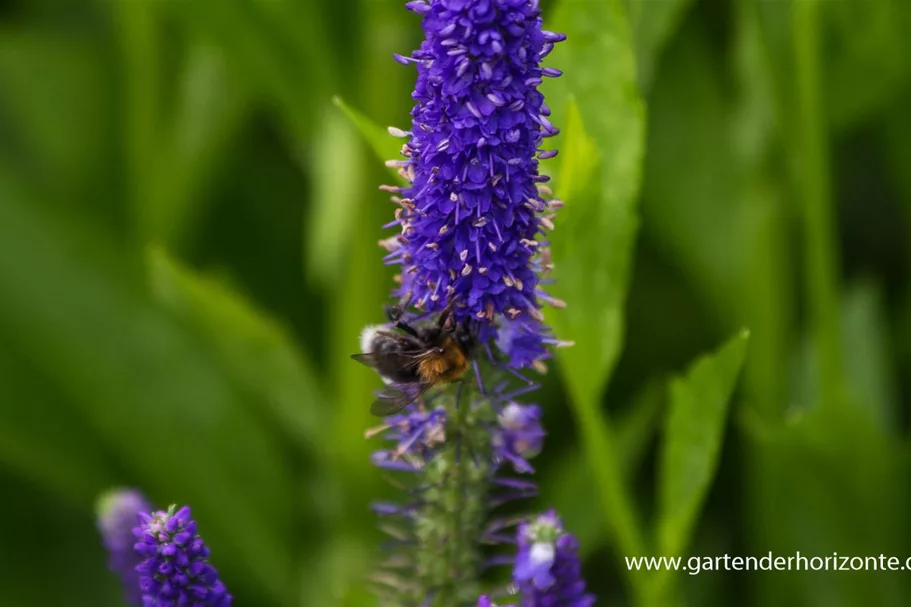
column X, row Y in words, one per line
column 864, row 42
column 45, row 441
column 385, row 146
column 277, row 47
column 338, row 169
column 593, row 242
column 579, row 159
column 636, row 427
column 868, row 367
column 680, row 198
column 62, row 151
column 210, row 109
column 256, row 350
column 595, row 233
column 140, row 44
column 653, row 24
column 73, row 573
column 693, row 435
column 159, row 403
column 829, row 481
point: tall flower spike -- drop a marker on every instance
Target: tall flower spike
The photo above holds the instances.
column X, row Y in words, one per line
column 471, row 223
column 175, row 567
column 547, row 570
column 476, row 204
column 118, row 511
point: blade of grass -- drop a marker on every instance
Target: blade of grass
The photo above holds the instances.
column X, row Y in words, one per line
column 811, row 176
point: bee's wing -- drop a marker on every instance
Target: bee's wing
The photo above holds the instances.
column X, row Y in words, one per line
column 394, row 398
column 367, row 358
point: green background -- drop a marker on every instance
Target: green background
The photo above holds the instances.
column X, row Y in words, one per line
column 188, row 227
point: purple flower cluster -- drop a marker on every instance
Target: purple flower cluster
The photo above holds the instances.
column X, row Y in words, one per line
column 118, row 513
column 547, row 570
column 175, row 569
column 520, row 435
column 476, row 204
column 416, row 435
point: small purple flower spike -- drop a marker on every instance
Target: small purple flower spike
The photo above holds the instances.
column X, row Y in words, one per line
column 520, row 436
column 175, row 567
column 547, row 570
column 118, row 512
column 484, row 601
column 477, row 205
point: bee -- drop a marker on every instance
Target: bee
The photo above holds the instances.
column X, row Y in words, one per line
column 412, row 359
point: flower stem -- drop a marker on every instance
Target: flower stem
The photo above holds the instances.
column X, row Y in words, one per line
column 451, row 522
column 812, row 171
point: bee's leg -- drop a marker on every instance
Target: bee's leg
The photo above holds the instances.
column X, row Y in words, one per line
column 395, row 313
column 446, row 314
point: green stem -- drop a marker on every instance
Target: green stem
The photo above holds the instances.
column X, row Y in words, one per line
column 139, row 40
column 812, row 178
column 450, row 525
column 599, row 446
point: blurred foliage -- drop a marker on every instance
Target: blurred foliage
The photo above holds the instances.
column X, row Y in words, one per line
column 188, row 226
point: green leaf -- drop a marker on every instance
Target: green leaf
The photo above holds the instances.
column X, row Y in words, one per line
column 65, row 153
column 690, row 120
column 74, row 573
column 653, row 24
column 256, row 350
column 868, row 370
column 865, row 42
column 278, row 48
column 592, row 245
column 338, row 170
column 579, row 159
column 692, row 443
column 593, row 242
column 210, row 109
column 44, row 440
column 385, row 146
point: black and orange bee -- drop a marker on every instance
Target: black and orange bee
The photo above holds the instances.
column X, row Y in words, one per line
column 412, row 359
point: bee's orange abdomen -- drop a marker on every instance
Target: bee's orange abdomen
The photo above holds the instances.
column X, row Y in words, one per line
column 446, row 366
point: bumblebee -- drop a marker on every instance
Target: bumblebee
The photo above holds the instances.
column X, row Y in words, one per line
column 412, row 359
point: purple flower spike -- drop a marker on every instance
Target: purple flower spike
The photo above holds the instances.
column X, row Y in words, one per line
column 547, row 570
column 520, row 436
column 175, row 567
column 117, row 515
column 484, row 601
column 476, row 204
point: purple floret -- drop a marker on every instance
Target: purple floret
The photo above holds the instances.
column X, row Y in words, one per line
column 547, row 570
column 118, row 513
